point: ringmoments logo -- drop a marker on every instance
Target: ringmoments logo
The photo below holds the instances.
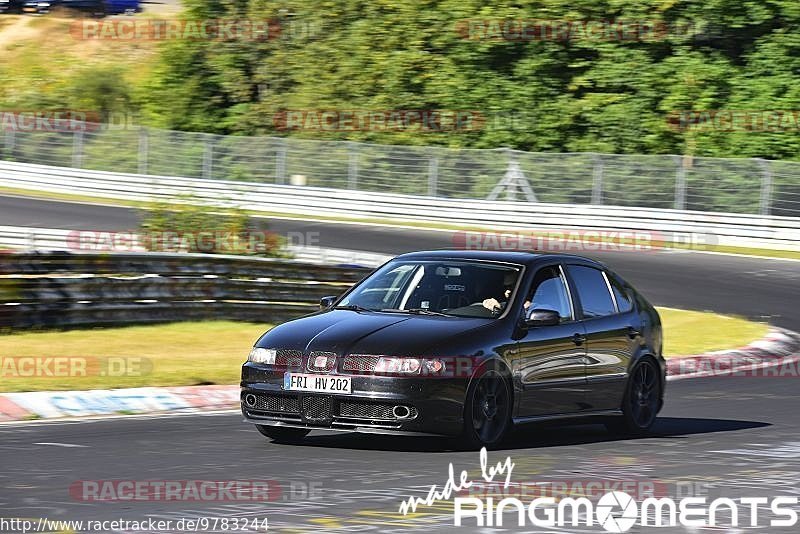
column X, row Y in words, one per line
column 617, row 511
column 614, row 511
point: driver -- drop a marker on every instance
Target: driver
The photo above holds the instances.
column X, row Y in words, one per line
column 494, row 305
column 497, row 305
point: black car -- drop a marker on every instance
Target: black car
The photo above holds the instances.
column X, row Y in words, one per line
column 94, row 7
column 11, row 6
column 462, row 343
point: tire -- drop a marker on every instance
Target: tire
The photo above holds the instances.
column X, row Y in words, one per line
column 283, row 434
column 487, row 410
column 641, row 402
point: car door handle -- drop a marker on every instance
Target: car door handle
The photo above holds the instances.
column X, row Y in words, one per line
column 633, row 333
column 578, row 339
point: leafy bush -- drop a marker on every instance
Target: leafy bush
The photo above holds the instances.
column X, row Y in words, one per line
column 185, row 226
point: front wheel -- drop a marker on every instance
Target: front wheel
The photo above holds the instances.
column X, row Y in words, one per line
column 487, row 410
column 283, row 434
column 641, row 402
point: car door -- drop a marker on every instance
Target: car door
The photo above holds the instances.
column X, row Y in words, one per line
column 609, row 336
column 550, row 359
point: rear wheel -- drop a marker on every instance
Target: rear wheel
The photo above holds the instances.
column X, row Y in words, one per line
column 641, row 402
column 283, row 434
column 487, row 410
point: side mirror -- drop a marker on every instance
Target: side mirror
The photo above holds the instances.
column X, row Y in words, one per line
column 327, row 302
column 542, row 317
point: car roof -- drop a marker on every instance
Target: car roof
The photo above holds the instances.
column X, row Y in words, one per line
column 507, row 256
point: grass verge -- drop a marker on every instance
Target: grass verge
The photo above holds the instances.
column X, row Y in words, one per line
column 211, row 352
column 175, row 354
column 692, row 332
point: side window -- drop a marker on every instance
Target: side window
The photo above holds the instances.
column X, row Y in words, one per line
column 550, row 292
column 624, row 302
column 592, row 291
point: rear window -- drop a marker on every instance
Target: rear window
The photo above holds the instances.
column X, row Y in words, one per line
column 624, row 302
column 592, row 291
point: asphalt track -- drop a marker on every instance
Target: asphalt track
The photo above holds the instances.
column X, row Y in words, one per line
column 731, row 437
column 750, row 287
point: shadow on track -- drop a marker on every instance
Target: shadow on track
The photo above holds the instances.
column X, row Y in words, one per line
column 531, row 436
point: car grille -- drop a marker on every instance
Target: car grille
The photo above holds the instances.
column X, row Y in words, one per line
column 372, row 411
column 330, row 361
column 291, row 359
column 274, row 403
column 318, row 409
column 324, row 410
column 362, row 364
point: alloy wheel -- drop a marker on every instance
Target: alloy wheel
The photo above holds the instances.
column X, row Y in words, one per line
column 490, row 407
column 644, row 395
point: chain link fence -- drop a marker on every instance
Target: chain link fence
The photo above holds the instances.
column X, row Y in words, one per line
column 751, row 186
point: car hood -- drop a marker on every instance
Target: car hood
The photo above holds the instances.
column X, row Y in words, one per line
column 345, row 331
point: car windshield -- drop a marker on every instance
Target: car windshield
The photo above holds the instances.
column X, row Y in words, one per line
column 455, row 288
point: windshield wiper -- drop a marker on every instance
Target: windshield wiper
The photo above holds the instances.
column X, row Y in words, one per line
column 353, row 307
column 425, row 311
column 418, row 311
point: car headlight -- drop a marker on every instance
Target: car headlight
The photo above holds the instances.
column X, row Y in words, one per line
column 388, row 364
column 259, row 355
column 433, row 366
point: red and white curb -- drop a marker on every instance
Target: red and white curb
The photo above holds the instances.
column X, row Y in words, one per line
column 61, row 404
column 776, row 355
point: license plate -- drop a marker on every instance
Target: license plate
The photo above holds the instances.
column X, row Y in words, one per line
column 317, row 383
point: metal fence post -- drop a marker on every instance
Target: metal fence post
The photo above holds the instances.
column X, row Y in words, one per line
column 597, row 179
column 77, row 148
column 766, row 186
column 352, row 167
column 208, row 158
column 143, row 149
column 680, row 182
column 433, row 175
column 280, row 162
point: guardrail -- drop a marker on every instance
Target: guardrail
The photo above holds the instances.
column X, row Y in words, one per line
column 671, row 225
column 57, row 289
column 735, row 185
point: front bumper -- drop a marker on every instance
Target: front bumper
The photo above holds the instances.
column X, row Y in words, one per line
column 434, row 405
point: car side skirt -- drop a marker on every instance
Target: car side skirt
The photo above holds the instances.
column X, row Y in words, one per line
column 553, row 417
